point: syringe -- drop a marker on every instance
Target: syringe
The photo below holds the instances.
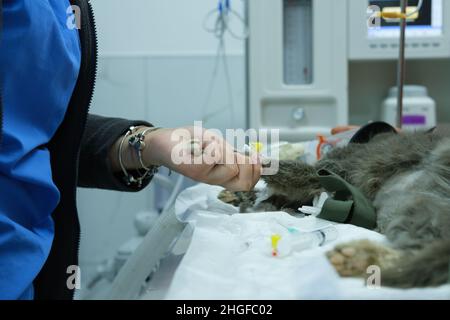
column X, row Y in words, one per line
column 297, row 241
column 304, row 241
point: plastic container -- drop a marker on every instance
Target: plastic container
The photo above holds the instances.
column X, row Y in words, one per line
column 419, row 110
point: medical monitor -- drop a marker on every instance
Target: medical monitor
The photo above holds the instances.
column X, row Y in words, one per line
column 427, row 32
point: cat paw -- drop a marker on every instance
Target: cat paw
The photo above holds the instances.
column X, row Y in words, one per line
column 242, row 200
column 354, row 258
column 228, row 197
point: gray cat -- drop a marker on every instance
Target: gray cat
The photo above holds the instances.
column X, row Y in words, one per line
column 407, row 178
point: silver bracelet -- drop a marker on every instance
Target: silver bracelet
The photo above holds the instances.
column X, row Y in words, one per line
column 137, row 143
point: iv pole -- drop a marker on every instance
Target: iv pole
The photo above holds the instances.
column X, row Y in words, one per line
column 401, row 64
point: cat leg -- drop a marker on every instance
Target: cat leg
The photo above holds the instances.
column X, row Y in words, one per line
column 420, row 227
column 353, row 259
column 428, row 267
column 415, row 225
column 296, row 181
column 294, row 185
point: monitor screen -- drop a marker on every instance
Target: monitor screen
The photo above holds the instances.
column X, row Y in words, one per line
column 426, row 23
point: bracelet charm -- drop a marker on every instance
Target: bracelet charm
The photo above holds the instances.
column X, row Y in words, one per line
column 137, row 144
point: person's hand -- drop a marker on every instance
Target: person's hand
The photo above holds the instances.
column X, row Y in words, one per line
column 202, row 155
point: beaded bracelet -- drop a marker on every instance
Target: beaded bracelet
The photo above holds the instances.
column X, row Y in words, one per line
column 137, row 143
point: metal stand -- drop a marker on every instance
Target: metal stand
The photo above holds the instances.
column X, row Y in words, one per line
column 401, row 65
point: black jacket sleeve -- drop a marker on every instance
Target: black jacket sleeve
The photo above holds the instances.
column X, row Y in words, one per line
column 94, row 167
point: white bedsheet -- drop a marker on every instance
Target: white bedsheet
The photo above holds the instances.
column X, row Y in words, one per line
column 230, row 258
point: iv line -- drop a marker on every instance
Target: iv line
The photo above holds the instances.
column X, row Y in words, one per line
column 222, row 23
column 221, row 26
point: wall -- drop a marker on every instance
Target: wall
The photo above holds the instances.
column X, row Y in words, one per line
column 156, row 63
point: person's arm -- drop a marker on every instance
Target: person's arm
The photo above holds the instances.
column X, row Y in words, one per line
column 210, row 159
column 217, row 163
column 96, row 169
